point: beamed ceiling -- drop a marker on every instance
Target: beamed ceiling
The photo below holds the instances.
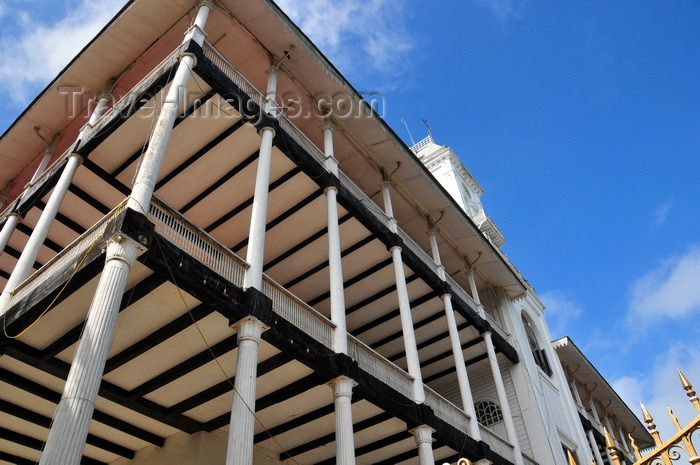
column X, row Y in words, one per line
column 171, row 363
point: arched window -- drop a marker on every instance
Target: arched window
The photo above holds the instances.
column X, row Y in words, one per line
column 537, row 352
column 488, row 413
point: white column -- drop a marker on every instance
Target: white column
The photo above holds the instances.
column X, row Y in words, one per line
column 475, row 292
column 461, row 369
column 145, row 182
column 409, row 337
column 502, row 397
column 623, row 438
column 344, row 439
column 335, row 264
column 36, row 240
column 577, row 396
column 241, row 429
column 48, row 153
column 436, row 253
column 102, row 99
column 8, row 228
column 258, row 219
column 594, row 411
column 69, row 428
column 594, row 447
column 424, row 440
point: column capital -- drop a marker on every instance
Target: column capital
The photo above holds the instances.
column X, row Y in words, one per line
column 267, row 128
column 342, row 386
column 19, row 217
column 423, row 434
column 272, row 70
column 327, row 126
column 124, row 249
column 391, row 249
column 208, row 3
column 249, row 329
column 386, row 184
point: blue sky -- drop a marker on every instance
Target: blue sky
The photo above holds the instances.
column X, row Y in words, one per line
column 579, row 119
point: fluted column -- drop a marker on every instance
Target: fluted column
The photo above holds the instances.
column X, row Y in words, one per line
column 335, row 263
column 258, row 219
column 71, row 421
column 502, row 397
column 409, row 337
column 344, row 439
column 594, row 447
column 241, row 429
column 31, row 250
column 144, row 184
column 424, row 440
column 69, row 428
column 8, row 228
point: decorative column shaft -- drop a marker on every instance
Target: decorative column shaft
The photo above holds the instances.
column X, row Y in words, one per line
column 475, row 292
column 240, row 434
column 594, row 410
column 335, row 263
column 409, row 337
column 574, row 388
column 258, row 217
column 31, row 250
column 69, row 428
column 8, row 228
column 71, row 422
column 594, row 446
column 436, row 253
column 502, row 397
column 344, row 439
column 461, row 369
column 424, row 440
column 145, row 182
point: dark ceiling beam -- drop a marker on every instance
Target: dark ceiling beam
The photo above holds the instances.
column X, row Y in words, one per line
column 274, row 185
column 321, row 266
column 43, row 392
column 296, row 208
column 328, row 438
column 373, row 446
column 136, row 155
column 58, row 368
column 272, row 363
column 377, row 295
column 354, row 280
column 199, row 154
column 415, row 303
column 158, row 336
column 12, row 252
column 471, row 361
column 107, row 177
column 220, row 182
column 192, row 363
column 45, row 422
column 48, row 243
column 134, row 294
column 287, row 392
column 300, row 245
column 36, row 444
column 88, row 199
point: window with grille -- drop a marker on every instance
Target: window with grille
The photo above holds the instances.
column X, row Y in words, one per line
column 488, row 413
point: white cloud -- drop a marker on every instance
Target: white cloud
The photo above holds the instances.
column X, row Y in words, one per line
column 561, row 310
column 377, row 27
column 659, row 385
column 504, row 10
column 35, row 52
column 661, row 213
column 672, row 290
